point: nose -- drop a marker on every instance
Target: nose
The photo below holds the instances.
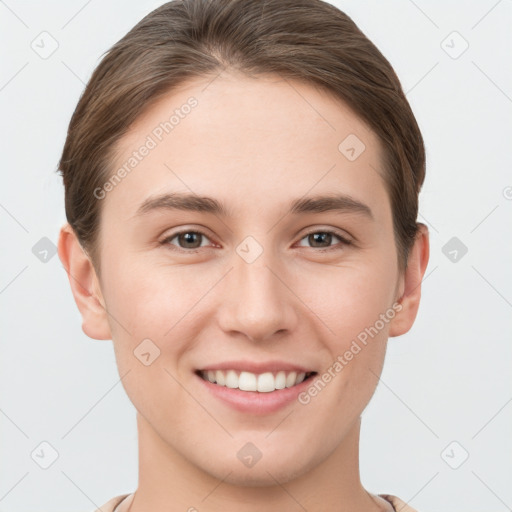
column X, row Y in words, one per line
column 257, row 300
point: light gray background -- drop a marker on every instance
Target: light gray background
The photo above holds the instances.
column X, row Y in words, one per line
column 448, row 379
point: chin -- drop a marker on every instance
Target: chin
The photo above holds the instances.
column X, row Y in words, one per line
column 270, row 470
column 262, row 477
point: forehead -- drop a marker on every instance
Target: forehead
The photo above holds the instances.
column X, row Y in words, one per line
column 264, row 137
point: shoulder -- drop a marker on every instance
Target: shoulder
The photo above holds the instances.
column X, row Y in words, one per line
column 111, row 504
column 398, row 504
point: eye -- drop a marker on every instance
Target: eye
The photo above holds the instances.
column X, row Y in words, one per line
column 322, row 239
column 187, row 239
column 190, row 240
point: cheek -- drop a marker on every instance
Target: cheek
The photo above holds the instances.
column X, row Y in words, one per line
column 352, row 300
column 157, row 314
column 151, row 300
column 153, row 322
column 356, row 305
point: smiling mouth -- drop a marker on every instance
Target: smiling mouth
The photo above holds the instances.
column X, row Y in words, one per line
column 263, row 382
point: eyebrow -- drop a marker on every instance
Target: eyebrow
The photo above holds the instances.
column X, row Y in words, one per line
column 191, row 202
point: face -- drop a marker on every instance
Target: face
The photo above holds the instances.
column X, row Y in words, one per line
column 260, row 279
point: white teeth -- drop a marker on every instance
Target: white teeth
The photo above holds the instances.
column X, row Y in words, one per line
column 280, row 380
column 300, row 378
column 247, row 381
column 266, row 382
column 231, row 379
column 290, row 379
column 219, row 378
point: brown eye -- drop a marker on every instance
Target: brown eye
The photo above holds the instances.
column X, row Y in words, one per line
column 324, row 240
column 186, row 239
column 190, row 240
column 320, row 238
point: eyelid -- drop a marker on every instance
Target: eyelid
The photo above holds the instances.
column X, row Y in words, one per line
column 345, row 240
column 328, row 229
column 166, row 240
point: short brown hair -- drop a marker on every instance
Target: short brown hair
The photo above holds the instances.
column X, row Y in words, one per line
column 307, row 40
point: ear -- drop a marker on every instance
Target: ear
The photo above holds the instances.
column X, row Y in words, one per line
column 84, row 285
column 411, row 284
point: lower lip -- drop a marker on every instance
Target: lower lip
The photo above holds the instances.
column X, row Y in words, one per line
column 256, row 402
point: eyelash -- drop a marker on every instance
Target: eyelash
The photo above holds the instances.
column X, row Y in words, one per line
column 343, row 240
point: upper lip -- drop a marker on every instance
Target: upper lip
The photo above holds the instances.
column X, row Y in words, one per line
column 253, row 367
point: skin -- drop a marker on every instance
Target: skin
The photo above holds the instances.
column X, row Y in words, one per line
column 255, row 144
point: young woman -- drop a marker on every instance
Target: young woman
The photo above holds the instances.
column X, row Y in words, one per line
column 241, row 181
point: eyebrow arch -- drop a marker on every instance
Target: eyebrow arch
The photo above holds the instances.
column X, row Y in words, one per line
column 336, row 202
column 191, row 202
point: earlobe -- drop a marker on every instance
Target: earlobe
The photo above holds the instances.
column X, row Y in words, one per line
column 84, row 285
column 412, row 278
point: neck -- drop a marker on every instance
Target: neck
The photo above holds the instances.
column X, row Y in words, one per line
column 167, row 481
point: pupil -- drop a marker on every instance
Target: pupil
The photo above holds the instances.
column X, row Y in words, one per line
column 189, row 239
column 319, row 237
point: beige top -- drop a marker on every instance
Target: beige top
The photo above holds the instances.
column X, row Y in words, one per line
column 113, row 504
